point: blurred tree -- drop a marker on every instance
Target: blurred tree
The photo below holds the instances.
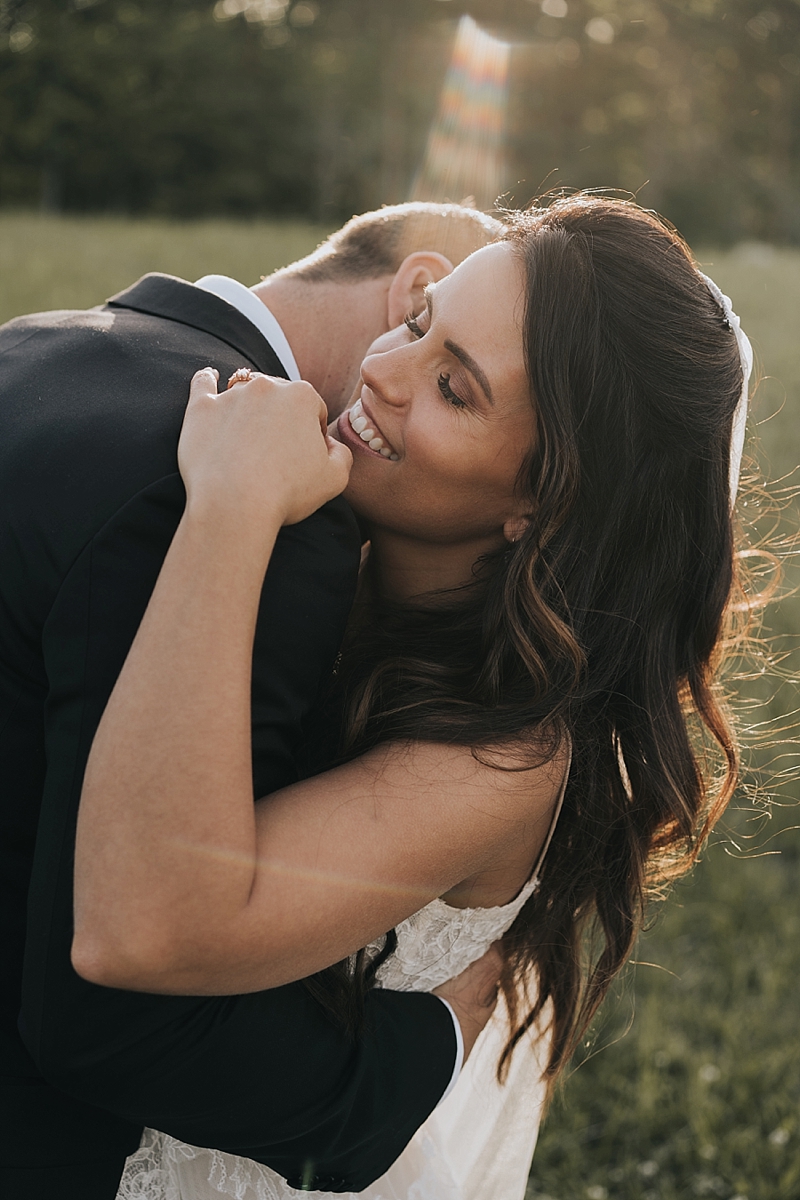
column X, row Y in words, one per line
column 321, row 107
column 695, row 102
column 148, row 106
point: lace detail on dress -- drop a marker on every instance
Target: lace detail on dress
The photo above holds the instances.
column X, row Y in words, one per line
column 165, row 1169
column 440, row 941
column 148, row 1172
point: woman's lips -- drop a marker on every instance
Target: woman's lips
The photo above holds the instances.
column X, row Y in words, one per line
column 358, row 429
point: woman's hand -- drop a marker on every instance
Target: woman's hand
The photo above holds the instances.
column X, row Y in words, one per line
column 259, row 451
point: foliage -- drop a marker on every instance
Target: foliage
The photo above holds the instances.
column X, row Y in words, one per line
column 697, row 97
column 321, row 107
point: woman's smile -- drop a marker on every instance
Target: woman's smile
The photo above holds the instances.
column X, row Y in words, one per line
column 360, row 431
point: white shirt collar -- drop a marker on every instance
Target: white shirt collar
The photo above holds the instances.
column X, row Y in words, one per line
column 257, row 313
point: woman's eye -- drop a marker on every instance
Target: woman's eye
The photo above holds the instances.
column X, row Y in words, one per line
column 448, row 393
column 411, row 322
column 414, row 327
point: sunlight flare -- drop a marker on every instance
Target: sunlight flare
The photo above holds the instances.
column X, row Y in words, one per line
column 465, row 154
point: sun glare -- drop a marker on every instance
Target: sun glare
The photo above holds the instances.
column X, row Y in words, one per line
column 466, row 144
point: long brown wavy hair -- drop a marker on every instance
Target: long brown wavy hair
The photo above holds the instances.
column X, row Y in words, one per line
column 603, row 623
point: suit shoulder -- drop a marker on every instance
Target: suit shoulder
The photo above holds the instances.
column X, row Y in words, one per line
column 96, row 319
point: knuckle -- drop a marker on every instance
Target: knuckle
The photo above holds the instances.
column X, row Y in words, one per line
column 308, row 393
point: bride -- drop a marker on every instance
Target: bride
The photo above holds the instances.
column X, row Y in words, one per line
column 544, row 461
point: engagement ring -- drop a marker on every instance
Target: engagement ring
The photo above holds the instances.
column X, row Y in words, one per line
column 243, row 375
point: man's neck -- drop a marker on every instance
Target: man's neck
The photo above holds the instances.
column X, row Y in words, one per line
column 329, row 327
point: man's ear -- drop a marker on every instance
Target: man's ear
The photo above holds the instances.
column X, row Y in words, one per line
column 408, row 284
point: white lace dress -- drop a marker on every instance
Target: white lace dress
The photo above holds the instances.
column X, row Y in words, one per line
column 476, row 1145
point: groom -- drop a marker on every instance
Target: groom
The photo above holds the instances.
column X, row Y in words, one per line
column 91, row 405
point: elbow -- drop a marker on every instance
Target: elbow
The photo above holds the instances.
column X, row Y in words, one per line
column 146, row 955
column 94, row 960
column 129, row 962
column 160, row 965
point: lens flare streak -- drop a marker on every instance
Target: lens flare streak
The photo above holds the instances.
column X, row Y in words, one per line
column 311, row 875
column 465, row 151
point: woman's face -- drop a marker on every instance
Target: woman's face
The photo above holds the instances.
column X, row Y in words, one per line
column 447, row 399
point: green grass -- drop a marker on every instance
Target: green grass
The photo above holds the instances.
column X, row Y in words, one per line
column 692, row 1088
column 701, row 1097
column 75, row 262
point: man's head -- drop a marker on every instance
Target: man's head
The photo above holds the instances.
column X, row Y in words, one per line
column 363, row 280
column 375, row 244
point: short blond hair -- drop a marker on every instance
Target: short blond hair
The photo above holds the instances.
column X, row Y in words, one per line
column 375, row 243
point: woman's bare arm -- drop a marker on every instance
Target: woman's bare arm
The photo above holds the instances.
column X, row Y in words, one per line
column 182, row 884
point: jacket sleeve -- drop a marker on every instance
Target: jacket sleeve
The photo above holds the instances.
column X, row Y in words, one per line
column 264, row 1075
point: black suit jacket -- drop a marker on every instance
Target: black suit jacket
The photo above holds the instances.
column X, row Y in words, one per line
column 91, row 405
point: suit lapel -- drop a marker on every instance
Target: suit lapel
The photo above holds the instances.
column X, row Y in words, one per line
column 176, row 300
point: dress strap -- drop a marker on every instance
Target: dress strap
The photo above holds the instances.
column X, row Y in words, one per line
column 559, row 805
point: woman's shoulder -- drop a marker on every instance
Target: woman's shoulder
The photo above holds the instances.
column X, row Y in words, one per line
column 512, row 792
column 529, row 796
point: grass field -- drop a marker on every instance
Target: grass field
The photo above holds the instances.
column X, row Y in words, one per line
column 701, row 1096
column 76, row 262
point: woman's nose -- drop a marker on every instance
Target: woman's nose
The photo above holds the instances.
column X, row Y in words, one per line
column 386, row 376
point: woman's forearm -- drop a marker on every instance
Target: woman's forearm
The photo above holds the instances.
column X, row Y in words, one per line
column 166, row 823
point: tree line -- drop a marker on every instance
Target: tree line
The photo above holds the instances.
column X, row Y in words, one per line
column 320, row 108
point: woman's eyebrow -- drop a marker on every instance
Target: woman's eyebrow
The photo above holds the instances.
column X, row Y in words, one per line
column 461, row 354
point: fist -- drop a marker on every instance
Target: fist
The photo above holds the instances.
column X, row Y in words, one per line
column 259, row 450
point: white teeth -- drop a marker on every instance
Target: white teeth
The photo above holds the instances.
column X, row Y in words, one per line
column 360, row 425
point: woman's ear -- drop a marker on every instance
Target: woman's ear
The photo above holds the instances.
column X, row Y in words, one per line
column 406, row 291
column 514, row 528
